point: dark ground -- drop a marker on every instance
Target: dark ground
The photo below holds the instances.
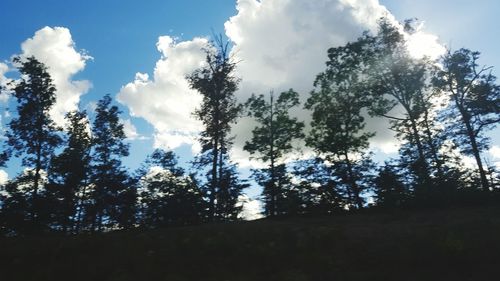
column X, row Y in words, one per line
column 405, row 245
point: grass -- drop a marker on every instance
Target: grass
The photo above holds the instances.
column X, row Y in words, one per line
column 458, row 244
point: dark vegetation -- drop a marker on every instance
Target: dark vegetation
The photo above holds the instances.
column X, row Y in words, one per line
column 431, row 244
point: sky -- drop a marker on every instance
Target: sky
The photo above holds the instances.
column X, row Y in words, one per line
column 139, row 52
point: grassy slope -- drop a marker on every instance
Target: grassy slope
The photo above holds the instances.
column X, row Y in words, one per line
column 424, row 245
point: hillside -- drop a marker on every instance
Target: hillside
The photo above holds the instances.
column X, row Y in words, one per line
column 425, row 245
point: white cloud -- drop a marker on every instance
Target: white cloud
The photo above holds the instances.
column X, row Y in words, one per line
column 244, row 160
column 495, row 155
column 4, row 96
column 422, row 44
column 172, row 139
column 252, row 208
column 166, row 101
column 4, row 177
column 283, row 44
column 495, row 152
column 56, row 49
column 468, row 162
column 131, row 131
column 386, row 146
column 3, row 69
column 279, row 44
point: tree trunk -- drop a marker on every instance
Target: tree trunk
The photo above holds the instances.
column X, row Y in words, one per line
column 272, row 191
column 476, row 153
column 38, row 168
column 433, row 148
column 352, row 181
column 423, row 172
column 213, row 184
column 80, row 210
column 222, row 196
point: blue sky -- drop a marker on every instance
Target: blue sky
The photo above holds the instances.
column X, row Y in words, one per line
column 119, row 35
column 122, row 37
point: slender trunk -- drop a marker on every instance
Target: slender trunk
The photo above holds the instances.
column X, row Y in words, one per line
column 213, row 184
column 93, row 226
column 423, row 169
column 71, row 216
column 69, row 206
column 222, row 199
column 38, row 168
column 66, row 213
column 80, row 210
column 352, row 181
column 99, row 221
column 65, row 226
column 476, row 153
column 272, row 191
column 433, row 148
column 459, row 102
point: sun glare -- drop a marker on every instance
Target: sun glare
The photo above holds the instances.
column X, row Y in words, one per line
column 421, row 44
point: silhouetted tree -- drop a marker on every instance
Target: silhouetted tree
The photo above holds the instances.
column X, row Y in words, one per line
column 17, row 206
column 390, row 189
column 474, row 103
column 231, row 187
column 69, row 173
column 337, row 133
column 166, row 195
column 32, row 134
column 317, row 188
column 219, row 109
column 272, row 140
column 402, row 81
column 113, row 194
column 4, row 152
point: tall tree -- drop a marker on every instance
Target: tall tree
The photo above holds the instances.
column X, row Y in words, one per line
column 166, row 195
column 272, row 140
column 474, row 103
column 316, row 188
column 219, row 109
column 337, row 132
column 69, row 173
column 5, row 153
column 32, row 133
column 390, row 190
column 402, row 81
column 113, row 194
column 16, row 203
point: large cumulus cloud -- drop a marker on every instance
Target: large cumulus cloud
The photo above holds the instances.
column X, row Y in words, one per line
column 55, row 47
column 165, row 100
column 278, row 44
column 283, row 44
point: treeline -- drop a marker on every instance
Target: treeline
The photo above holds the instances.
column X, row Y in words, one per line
column 74, row 181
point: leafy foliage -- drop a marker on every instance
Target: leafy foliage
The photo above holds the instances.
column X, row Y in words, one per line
column 32, row 135
column 69, row 174
column 272, row 140
column 337, row 133
column 474, row 103
column 113, row 195
column 166, row 195
column 219, row 109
